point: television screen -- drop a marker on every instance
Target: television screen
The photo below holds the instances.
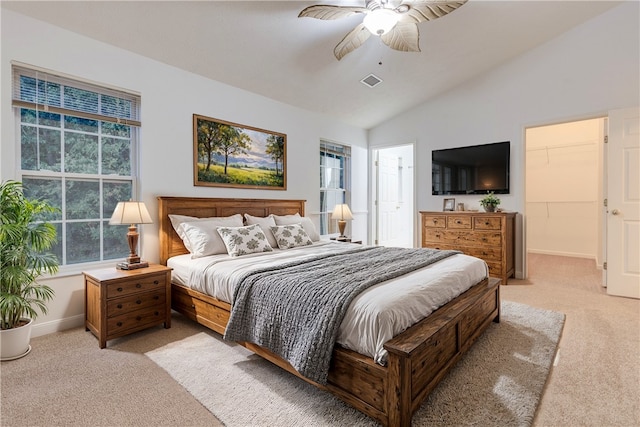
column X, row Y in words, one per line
column 476, row 169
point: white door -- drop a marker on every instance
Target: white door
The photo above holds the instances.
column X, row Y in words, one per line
column 394, row 196
column 623, row 205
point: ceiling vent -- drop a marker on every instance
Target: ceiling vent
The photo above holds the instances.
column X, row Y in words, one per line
column 371, row 80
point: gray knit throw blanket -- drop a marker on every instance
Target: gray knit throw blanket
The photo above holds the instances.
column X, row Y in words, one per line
column 295, row 309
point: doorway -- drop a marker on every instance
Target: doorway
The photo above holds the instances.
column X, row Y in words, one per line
column 564, row 189
column 393, row 196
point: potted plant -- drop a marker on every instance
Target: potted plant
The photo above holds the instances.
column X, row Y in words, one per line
column 490, row 202
column 23, row 242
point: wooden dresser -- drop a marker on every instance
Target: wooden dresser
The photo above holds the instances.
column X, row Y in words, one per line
column 489, row 236
column 119, row 302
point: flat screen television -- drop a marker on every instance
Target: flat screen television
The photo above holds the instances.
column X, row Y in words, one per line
column 475, row 169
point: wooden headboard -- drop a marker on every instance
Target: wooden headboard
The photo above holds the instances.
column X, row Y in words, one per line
column 201, row 207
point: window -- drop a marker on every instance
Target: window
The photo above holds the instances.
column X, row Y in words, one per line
column 335, row 182
column 77, row 146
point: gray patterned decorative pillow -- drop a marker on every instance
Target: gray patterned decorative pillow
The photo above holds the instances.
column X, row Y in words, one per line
column 290, row 236
column 244, row 240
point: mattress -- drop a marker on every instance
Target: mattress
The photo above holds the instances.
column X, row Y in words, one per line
column 374, row 317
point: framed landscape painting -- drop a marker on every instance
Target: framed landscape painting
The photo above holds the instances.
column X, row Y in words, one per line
column 227, row 154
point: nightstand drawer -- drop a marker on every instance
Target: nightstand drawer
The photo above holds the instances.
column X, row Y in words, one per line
column 119, row 306
column 143, row 283
column 134, row 320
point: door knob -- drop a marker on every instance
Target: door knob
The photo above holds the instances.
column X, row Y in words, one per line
column 615, row 212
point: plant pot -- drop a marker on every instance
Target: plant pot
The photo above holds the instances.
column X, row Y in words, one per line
column 490, row 208
column 14, row 343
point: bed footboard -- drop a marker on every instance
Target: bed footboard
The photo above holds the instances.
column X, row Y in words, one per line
column 418, row 358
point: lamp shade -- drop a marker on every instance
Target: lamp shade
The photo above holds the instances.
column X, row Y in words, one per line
column 130, row 213
column 342, row 212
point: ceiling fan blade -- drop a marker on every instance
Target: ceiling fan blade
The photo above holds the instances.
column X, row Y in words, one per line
column 351, row 41
column 420, row 11
column 404, row 37
column 321, row 11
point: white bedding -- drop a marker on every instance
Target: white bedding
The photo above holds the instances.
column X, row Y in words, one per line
column 374, row 317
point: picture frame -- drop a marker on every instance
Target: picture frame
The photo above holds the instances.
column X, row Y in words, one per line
column 227, row 154
column 449, row 204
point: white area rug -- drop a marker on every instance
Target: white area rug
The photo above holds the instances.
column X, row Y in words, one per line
column 499, row 382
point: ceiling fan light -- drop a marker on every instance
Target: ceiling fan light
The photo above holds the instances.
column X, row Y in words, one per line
column 380, row 21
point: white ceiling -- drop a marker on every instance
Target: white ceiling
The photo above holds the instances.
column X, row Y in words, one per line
column 263, row 47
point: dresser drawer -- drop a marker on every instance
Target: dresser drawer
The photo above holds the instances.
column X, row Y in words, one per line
column 485, row 223
column 486, row 253
column 461, row 222
column 144, row 283
column 434, row 221
column 138, row 319
column 461, row 238
column 119, row 306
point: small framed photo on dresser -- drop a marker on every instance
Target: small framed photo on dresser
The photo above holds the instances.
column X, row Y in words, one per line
column 449, row 205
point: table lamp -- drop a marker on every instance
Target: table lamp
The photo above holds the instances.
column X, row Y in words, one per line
column 342, row 213
column 131, row 213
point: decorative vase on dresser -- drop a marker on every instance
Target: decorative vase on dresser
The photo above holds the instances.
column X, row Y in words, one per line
column 489, row 236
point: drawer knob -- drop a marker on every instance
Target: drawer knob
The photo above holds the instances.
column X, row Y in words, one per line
column 486, row 223
column 156, row 297
column 119, row 305
column 138, row 318
column 156, row 313
column 119, row 289
column 155, row 282
column 119, row 323
column 193, row 306
column 458, row 221
column 138, row 285
column 138, row 301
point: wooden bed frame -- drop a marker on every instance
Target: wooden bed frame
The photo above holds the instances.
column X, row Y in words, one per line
column 418, row 358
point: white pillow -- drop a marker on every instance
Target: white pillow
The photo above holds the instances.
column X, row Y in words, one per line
column 306, row 223
column 201, row 238
column 265, row 223
column 290, row 236
column 244, row 240
column 230, row 221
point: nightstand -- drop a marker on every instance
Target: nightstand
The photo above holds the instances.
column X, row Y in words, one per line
column 120, row 302
column 346, row 240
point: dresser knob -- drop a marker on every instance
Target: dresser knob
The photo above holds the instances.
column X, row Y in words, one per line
column 138, row 285
column 119, row 289
column 156, row 313
column 155, row 282
column 458, row 222
column 138, row 302
column 486, row 223
column 193, row 306
column 119, row 323
column 119, row 305
column 138, row 318
column 156, row 297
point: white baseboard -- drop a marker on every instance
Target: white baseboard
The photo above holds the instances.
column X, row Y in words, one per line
column 559, row 253
column 45, row 328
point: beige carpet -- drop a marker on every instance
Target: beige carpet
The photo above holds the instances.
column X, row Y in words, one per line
column 67, row 380
column 498, row 383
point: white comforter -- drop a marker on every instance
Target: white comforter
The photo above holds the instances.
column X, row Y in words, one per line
column 374, row 317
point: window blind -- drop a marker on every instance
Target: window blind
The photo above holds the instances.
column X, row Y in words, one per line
column 43, row 91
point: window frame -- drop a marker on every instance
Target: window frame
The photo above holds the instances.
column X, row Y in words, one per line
column 327, row 225
column 101, row 134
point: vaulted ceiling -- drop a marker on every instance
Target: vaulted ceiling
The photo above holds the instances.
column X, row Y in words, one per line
column 263, row 47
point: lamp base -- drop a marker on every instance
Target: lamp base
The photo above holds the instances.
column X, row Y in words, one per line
column 131, row 265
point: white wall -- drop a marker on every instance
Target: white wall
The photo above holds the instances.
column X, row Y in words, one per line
column 581, row 74
column 169, row 99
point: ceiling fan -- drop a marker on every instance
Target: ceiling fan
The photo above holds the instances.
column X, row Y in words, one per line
column 396, row 22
